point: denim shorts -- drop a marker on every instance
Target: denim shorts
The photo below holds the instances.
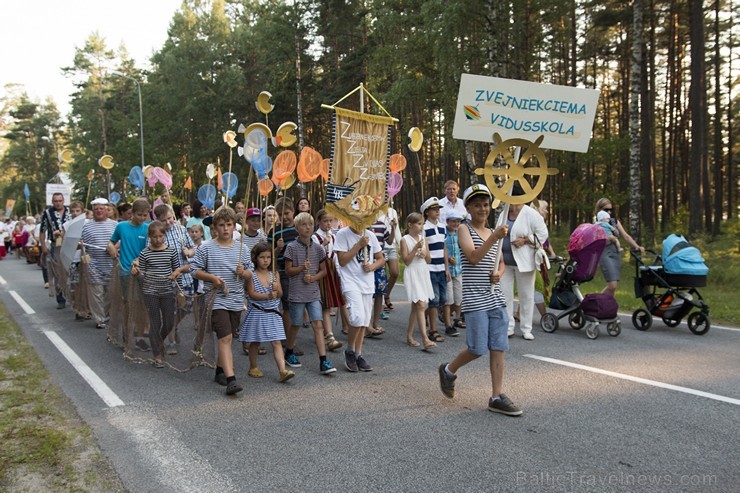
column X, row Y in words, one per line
column 487, row 330
column 439, row 285
column 313, row 308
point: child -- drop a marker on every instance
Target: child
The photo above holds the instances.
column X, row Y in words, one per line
column 75, row 209
column 217, row 263
column 305, row 265
column 330, row 286
column 434, row 232
column 384, row 236
column 603, row 219
column 18, row 240
column 454, row 285
column 159, row 266
column 197, row 234
column 355, row 249
column 418, row 284
column 279, row 238
column 263, row 322
column 126, row 243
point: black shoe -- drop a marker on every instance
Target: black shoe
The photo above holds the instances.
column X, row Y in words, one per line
column 503, row 405
column 220, row 379
column 233, row 388
column 446, row 382
column 452, row 332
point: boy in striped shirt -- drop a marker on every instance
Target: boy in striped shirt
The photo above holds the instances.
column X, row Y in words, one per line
column 434, row 233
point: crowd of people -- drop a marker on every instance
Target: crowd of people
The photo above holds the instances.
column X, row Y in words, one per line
column 274, row 270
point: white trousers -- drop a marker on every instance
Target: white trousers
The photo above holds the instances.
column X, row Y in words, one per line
column 525, row 291
column 99, row 303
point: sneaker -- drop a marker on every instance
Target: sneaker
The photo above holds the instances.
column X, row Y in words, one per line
column 101, row 326
column 326, row 368
column 292, row 361
column 141, row 345
column 503, row 405
column 350, row 361
column 528, row 336
column 285, row 376
column 220, row 379
column 452, row 332
column 332, row 343
column 233, row 388
column 384, row 315
column 362, row 364
column 171, row 348
column 255, row 373
column 158, row 363
column 446, row 382
column 46, row 285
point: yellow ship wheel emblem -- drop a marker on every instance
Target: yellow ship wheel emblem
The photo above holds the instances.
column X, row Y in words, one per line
column 516, row 169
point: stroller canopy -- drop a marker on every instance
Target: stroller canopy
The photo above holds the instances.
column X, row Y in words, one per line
column 584, row 235
column 679, row 257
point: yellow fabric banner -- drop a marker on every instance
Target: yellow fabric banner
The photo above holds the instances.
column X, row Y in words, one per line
column 357, row 188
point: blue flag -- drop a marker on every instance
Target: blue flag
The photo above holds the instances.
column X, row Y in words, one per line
column 26, row 192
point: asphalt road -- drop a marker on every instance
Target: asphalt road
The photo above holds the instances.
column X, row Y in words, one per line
column 393, row 430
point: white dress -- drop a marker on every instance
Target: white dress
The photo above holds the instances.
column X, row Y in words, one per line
column 416, row 278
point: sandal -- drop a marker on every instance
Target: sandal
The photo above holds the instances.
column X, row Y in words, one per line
column 245, row 348
column 428, row 346
column 459, row 323
column 389, row 305
column 436, row 337
column 261, row 351
column 372, row 332
column 413, row 343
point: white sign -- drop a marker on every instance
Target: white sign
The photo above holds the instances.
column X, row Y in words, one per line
column 525, row 110
column 52, row 188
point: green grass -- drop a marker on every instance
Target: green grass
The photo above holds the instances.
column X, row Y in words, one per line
column 45, row 446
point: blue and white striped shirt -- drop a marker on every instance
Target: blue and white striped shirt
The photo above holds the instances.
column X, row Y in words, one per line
column 96, row 234
column 221, row 261
column 435, row 236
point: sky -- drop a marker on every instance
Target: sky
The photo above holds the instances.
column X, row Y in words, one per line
column 39, row 37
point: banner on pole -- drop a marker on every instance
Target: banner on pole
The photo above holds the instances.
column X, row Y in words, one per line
column 52, row 188
column 358, row 174
column 564, row 115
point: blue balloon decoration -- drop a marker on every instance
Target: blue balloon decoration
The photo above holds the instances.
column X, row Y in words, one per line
column 231, row 181
column 136, row 177
column 207, row 195
column 114, row 198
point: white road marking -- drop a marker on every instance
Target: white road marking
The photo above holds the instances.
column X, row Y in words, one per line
column 631, row 378
column 3, row 281
column 97, row 384
column 26, row 307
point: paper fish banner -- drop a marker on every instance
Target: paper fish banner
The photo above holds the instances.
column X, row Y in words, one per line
column 263, row 103
column 284, row 136
column 230, row 181
column 114, row 198
column 65, row 156
column 91, row 174
column 207, row 195
column 136, row 177
column 26, row 192
column 230, row 138
column 395, row 182
column 106, row 162
column 416, row 139
column 211, row 171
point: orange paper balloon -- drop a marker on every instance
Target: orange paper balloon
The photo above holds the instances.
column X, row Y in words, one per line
column 265, row 186
column 309, row 166
column 398, row 163
column 284, row 165
column 325, row 168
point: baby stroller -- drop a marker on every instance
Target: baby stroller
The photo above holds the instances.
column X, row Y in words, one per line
column 667, row 286
column 586, row 244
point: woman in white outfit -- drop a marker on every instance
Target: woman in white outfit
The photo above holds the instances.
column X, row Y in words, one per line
column 518, row 251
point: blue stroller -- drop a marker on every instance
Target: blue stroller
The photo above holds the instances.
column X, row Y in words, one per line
column 667, row 285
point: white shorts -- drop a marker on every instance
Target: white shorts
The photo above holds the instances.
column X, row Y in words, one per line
column 454, row 291
column 390, row 252
column 360, row 307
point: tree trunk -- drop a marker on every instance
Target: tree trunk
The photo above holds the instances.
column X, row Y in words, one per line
column 697, row 90
column 717, row 127
column 731, row 188
column 634, row 111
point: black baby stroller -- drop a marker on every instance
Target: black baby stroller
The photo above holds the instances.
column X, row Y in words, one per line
column 586, row 244
column 668, row 285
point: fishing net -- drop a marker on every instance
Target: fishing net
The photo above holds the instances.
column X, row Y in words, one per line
column 79, row 287
column 189, row 344
column 58, row 277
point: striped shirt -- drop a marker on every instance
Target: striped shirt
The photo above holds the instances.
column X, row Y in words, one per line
column 251, row 241
column 177, row 237
column 288, row 235
column 221, row 261
column 300, row 291
column 155, row 267
column 476, row 280
column 435, row 235
column 380, row 230
column 95, row 235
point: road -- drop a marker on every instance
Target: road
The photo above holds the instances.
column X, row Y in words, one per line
column 392, row 429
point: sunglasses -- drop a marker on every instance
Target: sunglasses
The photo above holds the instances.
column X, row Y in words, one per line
column 607, row 209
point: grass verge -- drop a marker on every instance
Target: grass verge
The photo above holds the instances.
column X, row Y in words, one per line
column 45, row 444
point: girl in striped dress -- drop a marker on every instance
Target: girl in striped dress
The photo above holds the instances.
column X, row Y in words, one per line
column 264, row 322
column 330, row 286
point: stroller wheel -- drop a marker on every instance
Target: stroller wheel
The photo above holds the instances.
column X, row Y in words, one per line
column 670, row 322
column 549, row 322
column 614, row 328
column 576, row 320
column 592, row 330
column 698, row 323
column 641, row 319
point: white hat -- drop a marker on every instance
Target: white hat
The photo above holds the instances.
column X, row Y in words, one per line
column 474, row 191
column 601, row 215
column 430, row 202
column 99, row 201
column 455, row 215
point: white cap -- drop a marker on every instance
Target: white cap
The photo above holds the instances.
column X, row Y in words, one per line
column 430, row 202
column 454, row 215
column 99, row 201
column 601, row 215
column 474, row 191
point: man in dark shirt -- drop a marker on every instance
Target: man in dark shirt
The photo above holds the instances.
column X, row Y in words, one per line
column 51, row 228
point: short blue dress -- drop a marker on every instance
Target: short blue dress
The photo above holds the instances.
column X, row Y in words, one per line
column 263, row 322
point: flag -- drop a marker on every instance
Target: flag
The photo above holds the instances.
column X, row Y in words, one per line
column 188, row 184
column 26, row 192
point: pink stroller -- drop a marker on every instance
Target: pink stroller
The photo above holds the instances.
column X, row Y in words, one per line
column 587, row 243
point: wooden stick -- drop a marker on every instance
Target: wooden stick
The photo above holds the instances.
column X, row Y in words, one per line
column 244, row 219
